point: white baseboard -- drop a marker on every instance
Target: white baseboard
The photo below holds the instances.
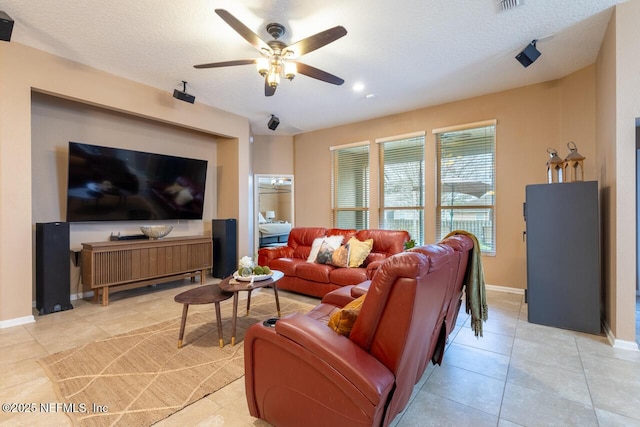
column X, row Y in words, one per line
column 616, row 343
column 17, row 321
column 505, row 289
column 81, row 295
column 73, row 297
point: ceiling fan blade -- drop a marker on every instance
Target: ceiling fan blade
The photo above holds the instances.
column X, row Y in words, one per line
column 243, row 30
column 226, row 63
column 316, row 41
column 268, row 89
column 315, row 73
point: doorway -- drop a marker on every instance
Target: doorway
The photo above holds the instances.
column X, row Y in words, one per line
column 274, row 209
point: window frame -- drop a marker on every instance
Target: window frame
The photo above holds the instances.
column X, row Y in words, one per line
column 366, row 206
column 382, row 207
column 440, row 207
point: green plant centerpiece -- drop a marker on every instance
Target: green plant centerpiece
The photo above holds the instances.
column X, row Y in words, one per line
column 409, row 244
column 247, row 267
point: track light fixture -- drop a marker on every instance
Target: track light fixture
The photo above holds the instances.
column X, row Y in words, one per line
column 182, row 95
column 273, row 122
column 529, row 55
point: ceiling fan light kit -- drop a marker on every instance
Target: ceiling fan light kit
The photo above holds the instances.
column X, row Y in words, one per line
column 278, row 58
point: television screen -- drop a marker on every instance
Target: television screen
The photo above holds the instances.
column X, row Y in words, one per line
column 114, row 184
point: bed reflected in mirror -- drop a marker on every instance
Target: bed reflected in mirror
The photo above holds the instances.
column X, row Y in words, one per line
column 274, row 209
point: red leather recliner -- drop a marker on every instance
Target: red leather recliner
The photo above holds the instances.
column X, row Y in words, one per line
column 303, row 373
column 462, row 245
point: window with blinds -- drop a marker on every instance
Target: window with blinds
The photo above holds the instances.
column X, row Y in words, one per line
column 350, row 186
column 466, row 183
column 402, row 184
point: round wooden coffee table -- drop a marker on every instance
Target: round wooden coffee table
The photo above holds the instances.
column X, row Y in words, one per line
column 231, row 284
column 205, row 294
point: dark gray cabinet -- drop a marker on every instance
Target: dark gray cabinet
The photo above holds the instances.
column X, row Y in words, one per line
column 563, row 255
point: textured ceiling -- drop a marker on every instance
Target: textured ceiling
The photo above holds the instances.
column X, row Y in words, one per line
column 409, row 54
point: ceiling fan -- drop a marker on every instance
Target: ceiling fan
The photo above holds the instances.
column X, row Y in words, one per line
column 278, row 58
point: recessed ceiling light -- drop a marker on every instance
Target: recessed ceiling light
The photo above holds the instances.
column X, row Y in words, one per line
column 358, row 87
column 370, row 95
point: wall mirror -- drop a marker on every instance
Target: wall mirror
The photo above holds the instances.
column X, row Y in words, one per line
column 274, row 211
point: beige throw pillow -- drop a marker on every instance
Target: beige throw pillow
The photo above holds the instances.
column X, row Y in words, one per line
column 358, row 251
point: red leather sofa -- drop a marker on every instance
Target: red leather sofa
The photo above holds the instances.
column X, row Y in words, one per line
column 318, row 279
column 304, row 373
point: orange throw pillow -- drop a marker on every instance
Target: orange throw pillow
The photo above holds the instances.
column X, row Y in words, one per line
column 340, row 257
column 342, row 320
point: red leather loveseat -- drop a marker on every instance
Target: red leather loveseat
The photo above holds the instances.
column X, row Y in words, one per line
column 302, row 372
column 311, row 278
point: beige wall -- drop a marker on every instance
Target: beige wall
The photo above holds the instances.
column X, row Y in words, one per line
column 628, row 109
column 23, row 70
column 272, row 155
column 530, row 119
column 618, row 86
column 56, row 121
column 606, row 167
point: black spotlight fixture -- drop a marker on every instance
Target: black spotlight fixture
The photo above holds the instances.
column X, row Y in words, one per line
column 182, row 95
column 6, row 27
column 273, row 122
column 529, row 55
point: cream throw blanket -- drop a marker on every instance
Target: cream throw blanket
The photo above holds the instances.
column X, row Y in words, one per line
column 476, row 298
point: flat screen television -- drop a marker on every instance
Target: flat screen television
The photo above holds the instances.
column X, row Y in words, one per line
column 114, row 184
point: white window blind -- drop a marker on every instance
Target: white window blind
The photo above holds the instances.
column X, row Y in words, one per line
column 402, row 185
column 350, row 186
column 466, row 184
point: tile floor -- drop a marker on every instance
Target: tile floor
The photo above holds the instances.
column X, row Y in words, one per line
column 517, row 374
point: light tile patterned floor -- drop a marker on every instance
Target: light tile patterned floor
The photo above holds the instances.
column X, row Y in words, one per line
column 517, row 374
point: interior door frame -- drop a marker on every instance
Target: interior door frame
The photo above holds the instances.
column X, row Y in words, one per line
column 256, row 202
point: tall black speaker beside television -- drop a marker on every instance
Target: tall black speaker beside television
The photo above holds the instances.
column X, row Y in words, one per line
column 52, row 267
column 225, row 247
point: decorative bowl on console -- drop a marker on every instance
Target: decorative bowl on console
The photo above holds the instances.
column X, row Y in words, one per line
column 156, row 231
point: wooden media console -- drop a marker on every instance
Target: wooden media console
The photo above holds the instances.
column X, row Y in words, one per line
column 127, row 264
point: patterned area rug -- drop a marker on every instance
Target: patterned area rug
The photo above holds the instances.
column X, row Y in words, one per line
column 141, row 377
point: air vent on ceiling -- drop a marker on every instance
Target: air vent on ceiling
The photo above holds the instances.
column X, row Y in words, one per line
column 509, row 4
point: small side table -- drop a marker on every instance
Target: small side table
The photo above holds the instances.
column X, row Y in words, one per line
column 206, row 294
column 234, row 286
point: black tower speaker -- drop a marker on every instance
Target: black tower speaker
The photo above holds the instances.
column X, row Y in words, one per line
column 6, row 27
column 52, row 267
column 225, row 247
